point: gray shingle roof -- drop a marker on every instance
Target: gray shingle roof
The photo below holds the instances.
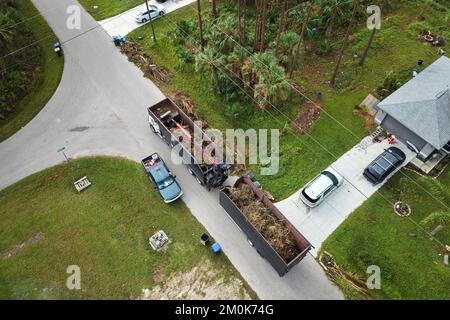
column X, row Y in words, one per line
column 423, row 104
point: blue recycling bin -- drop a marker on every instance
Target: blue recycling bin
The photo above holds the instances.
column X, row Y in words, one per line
column 216, row 248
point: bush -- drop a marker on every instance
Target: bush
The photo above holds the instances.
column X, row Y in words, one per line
column 185, row 55
column 390, row 84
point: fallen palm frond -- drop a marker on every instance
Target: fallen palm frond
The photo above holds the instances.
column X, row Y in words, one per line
column 352, row 286
column 136, row 55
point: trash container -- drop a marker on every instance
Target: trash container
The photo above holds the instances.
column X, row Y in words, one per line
column 204, row 239
column 216, row 248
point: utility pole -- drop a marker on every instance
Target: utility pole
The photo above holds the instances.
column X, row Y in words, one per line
column 151, row 22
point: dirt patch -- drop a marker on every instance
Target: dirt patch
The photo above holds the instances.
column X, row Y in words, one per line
column 159, row 274
column 309, row 113
column 136, row 55
column 369, row 121
column 16, row 249
column 202, row 282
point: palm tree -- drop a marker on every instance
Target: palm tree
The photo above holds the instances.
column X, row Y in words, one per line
column 287, row 49
column 237, row 60
column 200, row 25
column 209, row 61
column 333, row 9
column 372, row 36
column 271, row 83
column 345, row 44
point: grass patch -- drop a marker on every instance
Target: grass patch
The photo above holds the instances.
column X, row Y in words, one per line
column 104, row 230
column 46, row 77
column 411, row 264
column 108, row 8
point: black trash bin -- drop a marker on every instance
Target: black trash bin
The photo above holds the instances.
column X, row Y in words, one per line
column 204, row 239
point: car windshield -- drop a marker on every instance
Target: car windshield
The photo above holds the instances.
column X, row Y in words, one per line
column 309, row 198
column 165, row 183
column 331, row 176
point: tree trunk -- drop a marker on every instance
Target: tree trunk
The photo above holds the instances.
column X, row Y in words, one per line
column 283, row 17
column 299, row 44
column 214, row 8
column 331, row 22
column 372, row 36
column 345, row 44
column 244, row 24
column 262, row 29
column 437, row 230
column 239, row 27
column 257, row 25
column 200, row 25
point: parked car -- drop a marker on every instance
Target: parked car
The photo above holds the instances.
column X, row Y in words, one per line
column 321, row 187
column 162, row 178
column 384, row 165
column 156, row 10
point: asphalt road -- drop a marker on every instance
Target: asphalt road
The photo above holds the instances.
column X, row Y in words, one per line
column 100, row 109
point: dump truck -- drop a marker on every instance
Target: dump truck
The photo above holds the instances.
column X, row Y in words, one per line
column 266, row 228
column 164, row 119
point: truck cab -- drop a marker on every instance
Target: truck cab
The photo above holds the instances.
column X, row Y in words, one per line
column 162, row 178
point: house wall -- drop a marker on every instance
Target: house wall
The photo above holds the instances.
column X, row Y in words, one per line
column 401, row 132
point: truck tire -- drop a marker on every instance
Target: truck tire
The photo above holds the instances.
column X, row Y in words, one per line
column 199, row 181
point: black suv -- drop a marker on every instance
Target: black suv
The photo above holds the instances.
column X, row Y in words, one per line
column 384, row 165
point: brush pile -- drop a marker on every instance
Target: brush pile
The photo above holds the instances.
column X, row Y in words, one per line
column 272, row 229
column 143, row 61
column 183, row 101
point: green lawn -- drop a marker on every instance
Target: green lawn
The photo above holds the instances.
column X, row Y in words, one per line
column 411, row 263
column 45, row 79
column 104, row 230
column 108, row 8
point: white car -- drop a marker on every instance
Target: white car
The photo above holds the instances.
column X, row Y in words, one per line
column 156, row 10
column 321, row 187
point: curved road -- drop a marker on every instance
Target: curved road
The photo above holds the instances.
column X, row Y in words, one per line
column 99, row 108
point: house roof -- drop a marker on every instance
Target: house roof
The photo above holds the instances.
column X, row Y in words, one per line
column 423, row 104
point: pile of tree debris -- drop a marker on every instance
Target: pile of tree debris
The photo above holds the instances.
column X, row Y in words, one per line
column 261, row 217
column 182, row 101
column 309, row 113
column 341, row 277
column 143, row 61
column 435, row 40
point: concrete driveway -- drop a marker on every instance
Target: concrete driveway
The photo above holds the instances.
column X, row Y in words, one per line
column 99, row 108
column 125, row 22
column 318, row 223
